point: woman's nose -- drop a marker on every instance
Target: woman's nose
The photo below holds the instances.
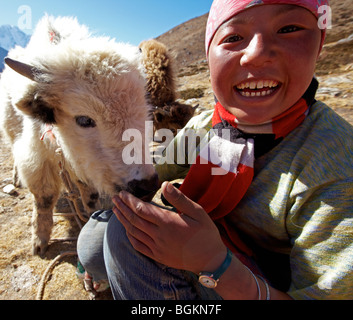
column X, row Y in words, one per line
column 258, row 52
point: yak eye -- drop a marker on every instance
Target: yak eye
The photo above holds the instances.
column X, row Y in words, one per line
column 85, row 122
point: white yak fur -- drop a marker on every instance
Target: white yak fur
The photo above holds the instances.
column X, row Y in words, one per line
column 80, row 75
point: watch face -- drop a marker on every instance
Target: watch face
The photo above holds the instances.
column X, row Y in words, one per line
column 208, row 282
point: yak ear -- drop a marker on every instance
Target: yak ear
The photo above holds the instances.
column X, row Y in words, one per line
column 37, row 108
column 33, row 106
column 159, row 114
column 23, row 69
column 42, row 111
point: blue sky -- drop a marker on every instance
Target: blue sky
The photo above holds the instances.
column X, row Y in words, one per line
column 126, row 20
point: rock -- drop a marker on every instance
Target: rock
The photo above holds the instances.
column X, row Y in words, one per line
column 335, row 92
column 345, row 40
column 9, row 189
column 23, row 278
column 332, row 81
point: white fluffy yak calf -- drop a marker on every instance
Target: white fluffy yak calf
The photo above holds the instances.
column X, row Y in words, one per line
column 90, row 90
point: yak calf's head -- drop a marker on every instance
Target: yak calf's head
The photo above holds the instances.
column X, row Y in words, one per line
column 93, row 97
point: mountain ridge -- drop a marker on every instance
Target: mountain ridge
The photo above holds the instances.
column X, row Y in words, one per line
column 3, row 54
column 11, row 36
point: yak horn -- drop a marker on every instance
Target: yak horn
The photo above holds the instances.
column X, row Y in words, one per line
column 22, row 68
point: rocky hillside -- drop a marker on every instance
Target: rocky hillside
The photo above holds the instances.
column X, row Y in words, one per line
column 334, row 68
column 190, row 49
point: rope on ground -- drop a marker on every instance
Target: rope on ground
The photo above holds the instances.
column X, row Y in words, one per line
column 49, row 269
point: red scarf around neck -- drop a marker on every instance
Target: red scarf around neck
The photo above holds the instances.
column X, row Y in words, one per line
column 224, row 169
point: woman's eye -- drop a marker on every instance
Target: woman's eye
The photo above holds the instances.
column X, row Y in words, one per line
column 233, row 38
column 85, row 122
column 289, row 29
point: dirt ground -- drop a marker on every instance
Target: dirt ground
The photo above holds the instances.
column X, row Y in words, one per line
column 21, row 272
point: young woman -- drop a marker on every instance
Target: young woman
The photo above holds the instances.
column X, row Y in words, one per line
column 271, row 217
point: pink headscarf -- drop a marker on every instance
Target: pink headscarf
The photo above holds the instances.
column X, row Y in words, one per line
column 222, row 10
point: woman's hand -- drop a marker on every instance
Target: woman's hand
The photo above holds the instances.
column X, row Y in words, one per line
column 188, row 241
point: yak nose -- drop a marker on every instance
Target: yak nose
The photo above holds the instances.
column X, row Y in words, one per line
column 144, row 188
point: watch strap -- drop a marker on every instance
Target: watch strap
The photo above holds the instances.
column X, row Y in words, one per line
column 219, row 272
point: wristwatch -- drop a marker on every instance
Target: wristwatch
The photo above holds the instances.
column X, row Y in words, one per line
column 210, row 279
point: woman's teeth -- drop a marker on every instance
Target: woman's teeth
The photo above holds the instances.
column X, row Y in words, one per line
column 256, row 94
column 257, row 88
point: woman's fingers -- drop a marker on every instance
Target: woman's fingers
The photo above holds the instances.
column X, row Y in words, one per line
column 136, row 208
column 182, row 203
column 137, row 229
column 176, row 240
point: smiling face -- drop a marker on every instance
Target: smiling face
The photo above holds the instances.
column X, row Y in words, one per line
column 263, row 60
